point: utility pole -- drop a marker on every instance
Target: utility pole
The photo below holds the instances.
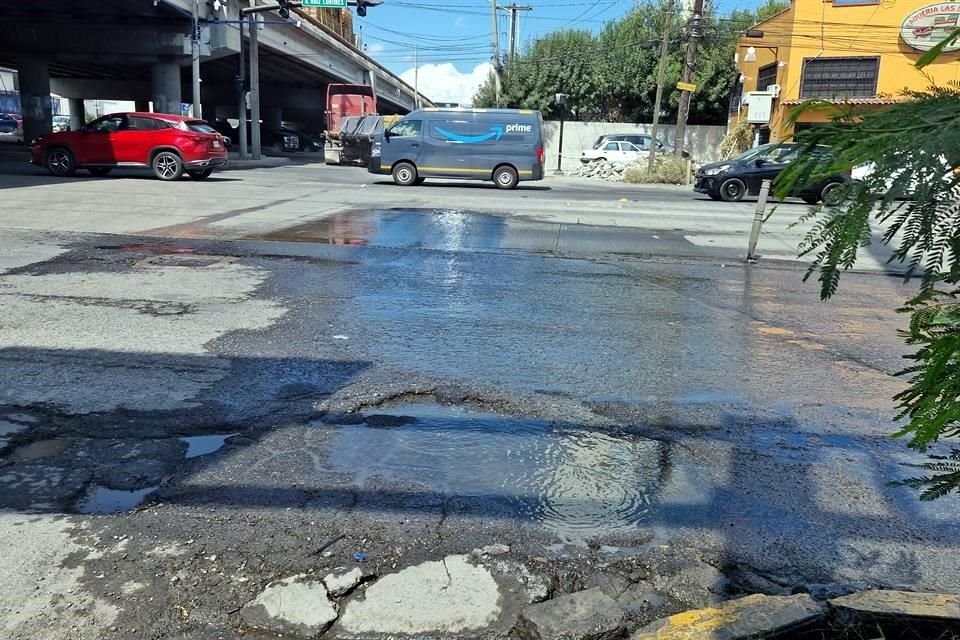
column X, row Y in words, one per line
column 689, row 73
column 195, row 54
column 242, row 106
column 667, row 22
column 514, row 9
column 416, row 77
column 255, row 87
column 496, row 52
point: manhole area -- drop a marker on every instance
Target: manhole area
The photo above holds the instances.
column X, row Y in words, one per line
column 190, row 261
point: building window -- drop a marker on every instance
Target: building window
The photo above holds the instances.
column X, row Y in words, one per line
column 839, row 78
column 766, row 76
column 736, row 95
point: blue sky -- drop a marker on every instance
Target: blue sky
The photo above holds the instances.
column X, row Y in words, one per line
column 454, row 36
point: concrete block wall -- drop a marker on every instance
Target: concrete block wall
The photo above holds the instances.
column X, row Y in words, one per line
column 703, row 141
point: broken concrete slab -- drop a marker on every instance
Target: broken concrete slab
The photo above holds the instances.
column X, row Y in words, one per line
column 297, row 605
column 934, row 606
column 585, row 615
column 755, row 616
column 341, row 581
column 438, row 597
column 836, row 589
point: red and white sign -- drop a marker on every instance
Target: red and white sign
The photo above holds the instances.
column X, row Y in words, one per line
column 926, row 27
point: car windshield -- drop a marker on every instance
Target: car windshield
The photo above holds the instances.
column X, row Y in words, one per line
column 754, row 153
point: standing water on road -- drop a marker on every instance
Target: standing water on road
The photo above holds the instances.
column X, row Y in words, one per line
column 576, row 482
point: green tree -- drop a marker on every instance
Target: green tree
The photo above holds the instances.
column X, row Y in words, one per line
column 613, row 75
column 912, row 190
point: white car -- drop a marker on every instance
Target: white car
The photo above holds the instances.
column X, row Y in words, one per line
column 614, row 152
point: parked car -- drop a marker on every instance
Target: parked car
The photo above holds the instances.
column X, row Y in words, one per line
column 732, row 180
column 169, row 145
column 284, row 141
column 305, row 142
column 642, row 140
column 8, row 123
column 614, row 151
column 61, row 123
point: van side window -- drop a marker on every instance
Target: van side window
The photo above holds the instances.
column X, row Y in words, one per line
column 406, row 128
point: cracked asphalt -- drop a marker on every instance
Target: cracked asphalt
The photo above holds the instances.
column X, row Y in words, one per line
column 436, row 386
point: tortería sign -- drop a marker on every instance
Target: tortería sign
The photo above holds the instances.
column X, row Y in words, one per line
column 927, row 26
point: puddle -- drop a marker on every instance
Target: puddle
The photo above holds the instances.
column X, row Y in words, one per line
column 576, row 482
column 41, row 449
column 203, row 445
column 103, row 500
column 456, row 230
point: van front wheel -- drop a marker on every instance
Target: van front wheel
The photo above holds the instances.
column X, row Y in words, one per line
column 505, row 178
column 405, row 174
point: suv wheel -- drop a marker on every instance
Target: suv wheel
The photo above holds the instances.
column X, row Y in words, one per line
column 733, row 190
column 60, row 162
column 405, row 174
column 167, row 166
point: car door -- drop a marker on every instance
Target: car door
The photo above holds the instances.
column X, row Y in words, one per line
column 610, row 151
column 96, row 143
column 449, row 147
column 768, row 166
column 631, row 152
column 133, row 143
column 402, row 142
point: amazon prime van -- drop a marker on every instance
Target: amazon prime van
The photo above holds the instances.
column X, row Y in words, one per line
column 502, row 145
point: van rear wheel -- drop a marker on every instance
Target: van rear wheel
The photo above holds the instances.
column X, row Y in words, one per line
column 505, row 177
column 405, row 174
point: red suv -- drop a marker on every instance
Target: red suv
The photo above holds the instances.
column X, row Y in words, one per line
column 169, row 145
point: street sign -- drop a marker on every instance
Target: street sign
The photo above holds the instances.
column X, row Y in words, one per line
column 339, row 4
column 686, row 86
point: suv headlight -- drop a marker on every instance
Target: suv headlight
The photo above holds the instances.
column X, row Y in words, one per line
column 375, row 150
column 715, row 170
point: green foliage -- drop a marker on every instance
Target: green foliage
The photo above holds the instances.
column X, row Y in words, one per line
column 668, row 169
column 910, row 200
column 945, row 478
column 612, row 75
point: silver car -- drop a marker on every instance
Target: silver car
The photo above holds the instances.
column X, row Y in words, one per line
column 641, row 140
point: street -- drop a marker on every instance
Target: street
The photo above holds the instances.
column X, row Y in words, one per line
column 279, row 372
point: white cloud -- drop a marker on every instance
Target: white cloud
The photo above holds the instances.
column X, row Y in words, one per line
column 445, row 83
column 373, row 49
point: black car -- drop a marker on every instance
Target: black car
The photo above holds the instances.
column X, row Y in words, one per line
column 732, row 180
column 279, row 140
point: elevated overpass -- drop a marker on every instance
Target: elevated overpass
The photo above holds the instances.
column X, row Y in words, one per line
column 140, row 50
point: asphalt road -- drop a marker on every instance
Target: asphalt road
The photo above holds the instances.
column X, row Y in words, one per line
column 236, row 204
column 411, row 380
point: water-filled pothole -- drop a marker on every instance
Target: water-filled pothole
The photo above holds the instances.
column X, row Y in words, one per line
column 203, row 445
column 575, row 481
column 104, row 500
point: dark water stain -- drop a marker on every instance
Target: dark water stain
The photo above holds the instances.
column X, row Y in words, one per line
column 576, row 482
column 41, row 449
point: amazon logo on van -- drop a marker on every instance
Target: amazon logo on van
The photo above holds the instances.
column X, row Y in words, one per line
column 495, row 133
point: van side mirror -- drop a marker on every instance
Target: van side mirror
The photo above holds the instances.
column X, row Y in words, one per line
column 386, row 134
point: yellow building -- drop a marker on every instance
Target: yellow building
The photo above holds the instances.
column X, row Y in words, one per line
column 859, row 52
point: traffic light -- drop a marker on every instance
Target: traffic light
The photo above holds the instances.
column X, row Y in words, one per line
column 284, row 9
column 363, row 4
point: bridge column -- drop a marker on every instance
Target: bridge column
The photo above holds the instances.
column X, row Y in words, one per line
column 35, row 98
column 77, row 115
column 143, row 106
column 166, row 88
